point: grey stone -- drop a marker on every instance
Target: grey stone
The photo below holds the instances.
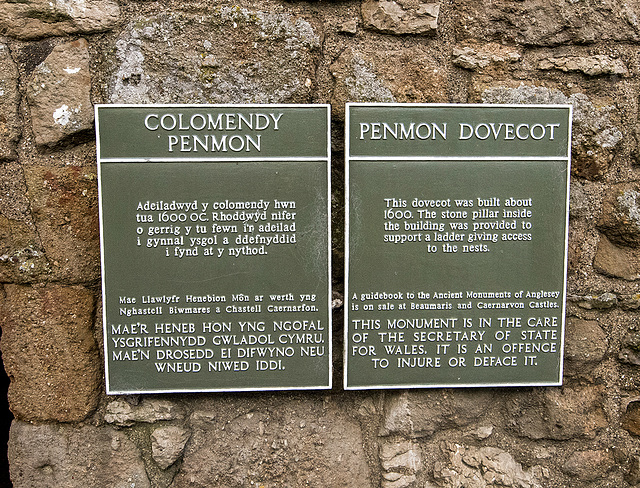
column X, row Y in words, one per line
column 50, row 456
column 478, row 58
column 600, row 302
column 401, row 16
column 9, row 99
column 595, row 133
column 483, row 467
column 620, row 220
column 548, row 23
column 167, row 444
column 348, row 27
column 401, row 461
column 421, row 414
column 59, row 94
column 33, row 19
column 150, row 410
column 363, row 84
column 229, row 55
column 597, row 65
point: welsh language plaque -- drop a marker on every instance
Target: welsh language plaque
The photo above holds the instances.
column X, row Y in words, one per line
column 215, row 247
column 456, row 245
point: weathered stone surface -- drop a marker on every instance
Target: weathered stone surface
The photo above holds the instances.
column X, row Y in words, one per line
column 483, row 467
column 273, row 443
column 589, row 465
column 597, row 65
column 33, row 19
column 398, row 75
column 167, row 444
column 64, row 205
column 585, row 344
column 419, row 413
column 400, row 462
column 401, row 16
column 620, row 220
column 230, row 55
column 631, row 418
column 619, row 262
column 595, row 132
column 49, row 456
column 49, row 352
column 150, row 410
column 531, row 22
column 600, row 302
column 59, row 94
column 9, row 99
column 633, row 474
column 630, row 349
column 22, row 258
column 480, row 57
column 559, row 413
column 357, row 81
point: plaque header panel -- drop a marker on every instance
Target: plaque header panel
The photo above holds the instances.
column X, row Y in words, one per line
column 457, row 220
column 215, row 247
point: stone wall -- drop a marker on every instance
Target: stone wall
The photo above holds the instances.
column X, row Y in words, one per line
column 57, row 57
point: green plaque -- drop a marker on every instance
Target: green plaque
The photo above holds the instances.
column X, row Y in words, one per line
column 456, row 222
column 215, row 247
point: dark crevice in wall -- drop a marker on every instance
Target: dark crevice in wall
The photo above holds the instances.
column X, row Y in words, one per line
column 5, row 423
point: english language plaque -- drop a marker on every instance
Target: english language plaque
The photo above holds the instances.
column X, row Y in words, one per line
column 456, row 245
column 215, row 247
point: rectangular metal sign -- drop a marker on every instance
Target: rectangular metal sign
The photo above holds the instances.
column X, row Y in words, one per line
column 456, row 245
column 215, row 238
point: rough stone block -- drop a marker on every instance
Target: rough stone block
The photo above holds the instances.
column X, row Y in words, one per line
column 597, row 65
column 401, row 16
column 48, row 456
column 620, row 220
column 585, row 344
column 167, row 444
column 22, row 259
column 396, row 75
column 630, row 349
column 272, row 442
column 59, row 94
column 589, row 465
column 401, row 461
column 619, row 262
column 422, row 413
column 483, row 467
column 596, row 132
column 559, row 413
column 229, row 55
column 631, row 418
column 49, row 352
column 64, row 206
column 535, row 23
column 150, row 410
column 9, row 100
column 33, row 19
column 480, row 57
